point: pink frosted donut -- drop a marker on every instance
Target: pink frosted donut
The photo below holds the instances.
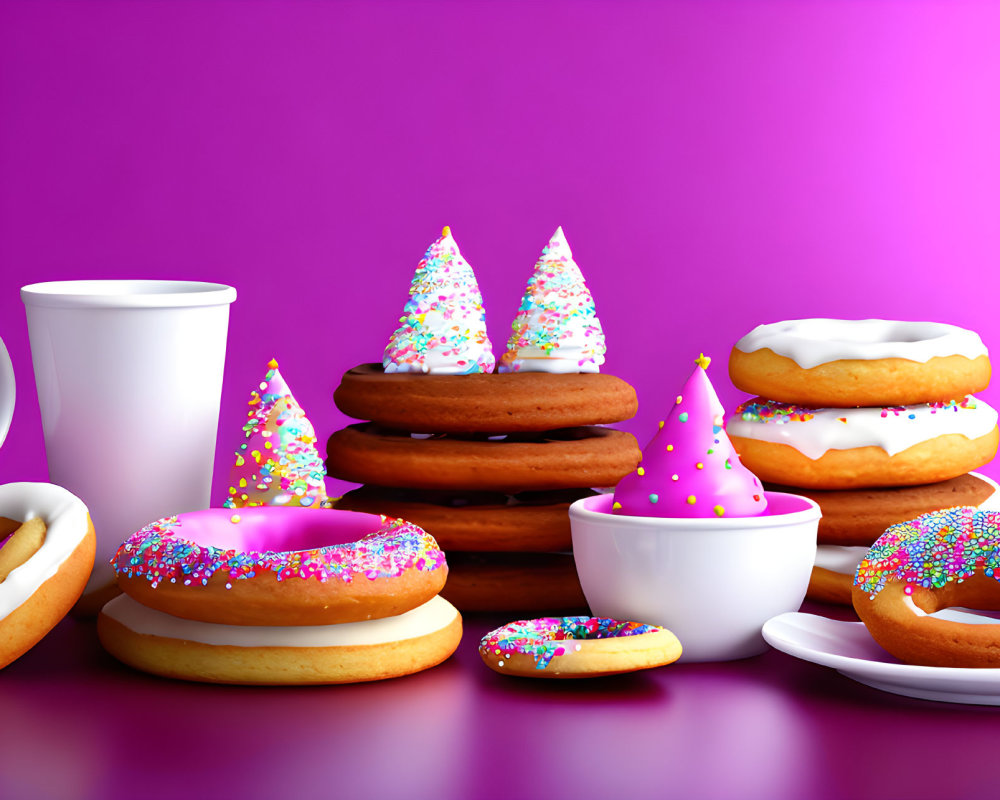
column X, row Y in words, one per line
column 280, row 566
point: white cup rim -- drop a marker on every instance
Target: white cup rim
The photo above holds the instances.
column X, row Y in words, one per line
column 585, row 509
column 127, row 294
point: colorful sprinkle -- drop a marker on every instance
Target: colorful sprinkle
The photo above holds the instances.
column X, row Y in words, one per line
column 933, row 550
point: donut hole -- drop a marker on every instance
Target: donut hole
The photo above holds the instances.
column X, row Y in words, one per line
column 281, row 530
column 21, row 540
column 978, row 594
column 968, row 616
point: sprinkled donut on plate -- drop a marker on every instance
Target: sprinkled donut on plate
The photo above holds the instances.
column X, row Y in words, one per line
column 577, row 647
column 937, row 561
column 870, row 362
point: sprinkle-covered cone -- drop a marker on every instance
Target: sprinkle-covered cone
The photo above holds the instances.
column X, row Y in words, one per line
column 556, row 329
column 443, row 327
column 277, row 464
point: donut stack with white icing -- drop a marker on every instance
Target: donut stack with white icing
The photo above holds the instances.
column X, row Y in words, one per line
column 876, row 420
column 440, row 388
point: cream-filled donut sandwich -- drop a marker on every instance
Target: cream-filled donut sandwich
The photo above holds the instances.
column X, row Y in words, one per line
column 845, row 448
column 280, row 595
column 690, row 468
column 443, row 327
column 871, row 362
column 556, row 329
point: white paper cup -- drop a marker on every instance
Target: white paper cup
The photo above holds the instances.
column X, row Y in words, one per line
column 129, row 377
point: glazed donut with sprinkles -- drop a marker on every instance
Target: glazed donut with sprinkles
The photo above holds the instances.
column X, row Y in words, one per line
column 939, row 560
column 848, row 448
column 577, row 647
column 280, row 566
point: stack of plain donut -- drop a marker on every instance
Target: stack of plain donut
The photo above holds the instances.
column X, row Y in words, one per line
column 875, row 420
column 280, row 595
column 488, row 464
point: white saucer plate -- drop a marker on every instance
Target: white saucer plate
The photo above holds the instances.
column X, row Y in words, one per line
column 848, row 648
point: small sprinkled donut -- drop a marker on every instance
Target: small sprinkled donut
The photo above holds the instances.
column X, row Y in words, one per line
column 477, row 521
column 937, row 561
column 561, row 459
column 275, row 565
column 515, row 582
column 576, row 647
column 348, row 652
column 854, row 448
column 46, row 554
column 870, row 362
column 485, row 402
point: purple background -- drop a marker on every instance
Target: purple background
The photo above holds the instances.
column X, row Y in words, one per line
column 715, row 165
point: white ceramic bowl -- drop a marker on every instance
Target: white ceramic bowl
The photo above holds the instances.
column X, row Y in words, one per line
column 713, row 582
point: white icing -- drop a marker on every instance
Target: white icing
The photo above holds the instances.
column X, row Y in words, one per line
column 811, row 342
column 65, row 518
column 434, row 615
column 894, row 430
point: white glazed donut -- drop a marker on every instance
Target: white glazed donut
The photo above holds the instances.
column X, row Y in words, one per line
column 39, row 592
column 845, row 448
column 162, row 644
column 870, row 362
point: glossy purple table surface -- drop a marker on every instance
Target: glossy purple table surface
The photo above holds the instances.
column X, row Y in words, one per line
column 74, row 723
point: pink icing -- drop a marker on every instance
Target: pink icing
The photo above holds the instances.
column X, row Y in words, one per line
column 288, row 542
column 690, row 468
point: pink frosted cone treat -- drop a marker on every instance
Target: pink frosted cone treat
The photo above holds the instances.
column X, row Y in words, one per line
column 690, row 468
column 691, row 542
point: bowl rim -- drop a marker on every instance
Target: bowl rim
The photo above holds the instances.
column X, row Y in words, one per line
column 581, row 511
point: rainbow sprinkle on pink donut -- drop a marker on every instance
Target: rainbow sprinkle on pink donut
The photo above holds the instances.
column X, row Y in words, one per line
column 933, row 550
column 159, row 552
column 547, row 637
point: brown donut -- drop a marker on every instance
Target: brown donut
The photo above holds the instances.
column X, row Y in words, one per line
column 827, row 586
column 502, row 402
column 529, row 522
column 859, row 516
column 561, row 459
column 531, row 582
